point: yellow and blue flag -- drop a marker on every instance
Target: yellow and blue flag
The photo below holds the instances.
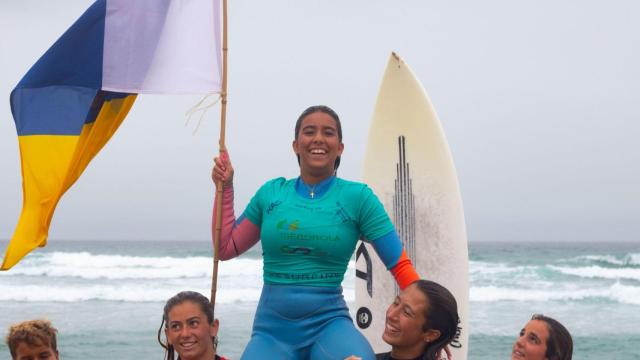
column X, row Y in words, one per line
column 74, row 98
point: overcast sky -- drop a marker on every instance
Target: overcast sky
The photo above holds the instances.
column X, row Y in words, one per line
column 540, row 102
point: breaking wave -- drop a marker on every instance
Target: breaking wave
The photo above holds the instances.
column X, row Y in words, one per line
column 617, row 292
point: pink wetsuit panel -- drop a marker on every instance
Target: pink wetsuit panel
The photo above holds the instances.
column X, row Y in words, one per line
column 235, row 238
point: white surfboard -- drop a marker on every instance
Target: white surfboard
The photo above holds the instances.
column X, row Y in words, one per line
column 409, row 166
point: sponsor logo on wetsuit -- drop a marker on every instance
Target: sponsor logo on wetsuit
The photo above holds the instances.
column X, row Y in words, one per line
column 305, row 276
column 308, row 237
column 288, row 232
column 342, row 213
column 272, row 206
column 293, row 226
column 302, row 250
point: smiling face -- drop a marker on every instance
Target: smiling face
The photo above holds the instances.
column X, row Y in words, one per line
column 317, row 145
column 38, row 351
column 190, row 333
column 532, row 342
column 404, row 328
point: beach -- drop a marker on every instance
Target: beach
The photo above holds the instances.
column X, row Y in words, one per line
column 106, row 297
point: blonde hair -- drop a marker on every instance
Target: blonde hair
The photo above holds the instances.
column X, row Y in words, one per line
column 32, row 332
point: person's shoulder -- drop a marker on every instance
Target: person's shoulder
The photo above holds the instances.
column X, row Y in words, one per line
column 277, row 183
column 354, row 188
column 345, row 182
column 383, row 356
column 351, row 185
column 274, row 186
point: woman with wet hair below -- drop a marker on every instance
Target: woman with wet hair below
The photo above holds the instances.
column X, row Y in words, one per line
column 33, row 339
column 309, row 227
column 543, row 338
column 420, row 323
column 189, row 327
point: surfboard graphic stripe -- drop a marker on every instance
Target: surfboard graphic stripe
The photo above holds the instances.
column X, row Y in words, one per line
column 404, row 211
column 403, row 205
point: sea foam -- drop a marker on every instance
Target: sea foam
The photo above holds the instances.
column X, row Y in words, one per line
column 630, row 259
column 84, row 265
column 600, row 272
column 125, row 292
column 617, row 292
column 81, row 276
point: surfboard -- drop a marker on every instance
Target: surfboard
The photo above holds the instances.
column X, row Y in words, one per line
column 409, row 166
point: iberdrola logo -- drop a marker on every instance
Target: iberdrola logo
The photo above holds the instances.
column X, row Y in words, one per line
column 293, row 226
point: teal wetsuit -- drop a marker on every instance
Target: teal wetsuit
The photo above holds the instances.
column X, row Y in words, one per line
column 308, row 236
column 310, row 241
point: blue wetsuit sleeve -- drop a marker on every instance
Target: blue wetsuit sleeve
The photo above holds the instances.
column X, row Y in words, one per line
column 389, row 248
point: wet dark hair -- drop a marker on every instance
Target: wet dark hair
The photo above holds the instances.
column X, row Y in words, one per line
column 559, row 342
column 441, row 314
column 179, row 298
column 323, row 109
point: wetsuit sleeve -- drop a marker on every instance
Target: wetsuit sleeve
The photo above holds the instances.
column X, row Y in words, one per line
column 374, row 221
column 389, row 249
column 376, row 225
column 238, row 236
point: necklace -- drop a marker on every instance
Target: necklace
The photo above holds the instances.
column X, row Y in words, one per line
column 312, row 190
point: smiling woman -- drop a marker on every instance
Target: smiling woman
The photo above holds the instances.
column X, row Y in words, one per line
column 309, row 227
column 190, row 328
column 543, row 338
column 318, row 158
column 421, row 322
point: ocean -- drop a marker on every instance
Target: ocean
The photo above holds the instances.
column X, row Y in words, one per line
column 106, row 298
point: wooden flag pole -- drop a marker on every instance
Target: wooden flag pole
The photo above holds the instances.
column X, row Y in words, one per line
column 222, row 148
